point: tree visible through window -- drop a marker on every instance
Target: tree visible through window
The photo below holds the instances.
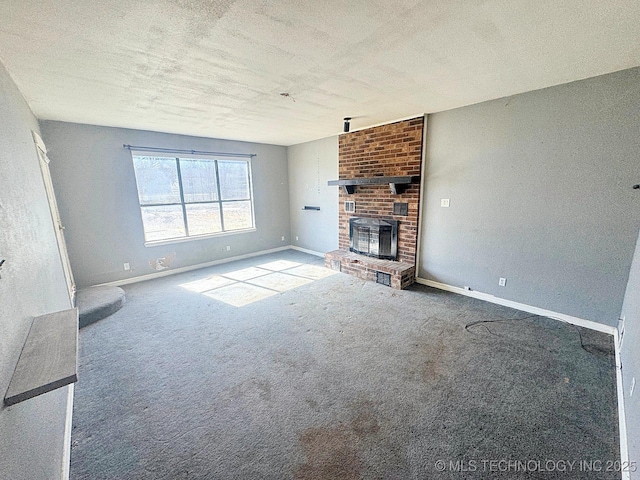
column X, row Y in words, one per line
column 189, row 197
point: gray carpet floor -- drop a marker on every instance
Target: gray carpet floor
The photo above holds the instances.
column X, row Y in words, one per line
column 274, row 368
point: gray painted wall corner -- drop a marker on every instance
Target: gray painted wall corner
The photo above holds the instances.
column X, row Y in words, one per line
column 630, row 359
column 32, row 283
column 96, row 190
column 311, row 166
column 540, row 194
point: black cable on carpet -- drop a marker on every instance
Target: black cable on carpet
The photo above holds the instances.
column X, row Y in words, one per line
column 483, row 322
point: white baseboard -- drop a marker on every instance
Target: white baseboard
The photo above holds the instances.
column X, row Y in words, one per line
column 173, row 271
column 68, row 424
column 580, row 322
column 622, row 422
column 306, row 250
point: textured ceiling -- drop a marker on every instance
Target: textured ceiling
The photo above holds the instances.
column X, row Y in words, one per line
column 217, row 68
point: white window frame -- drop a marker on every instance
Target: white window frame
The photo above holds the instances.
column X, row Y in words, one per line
column 182, row 203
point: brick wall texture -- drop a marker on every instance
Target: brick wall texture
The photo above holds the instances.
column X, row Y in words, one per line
column 394, row 149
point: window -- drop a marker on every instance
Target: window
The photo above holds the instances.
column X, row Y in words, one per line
column 191, row 197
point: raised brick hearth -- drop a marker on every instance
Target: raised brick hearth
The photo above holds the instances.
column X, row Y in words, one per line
column 391, row 150
column 402, row 274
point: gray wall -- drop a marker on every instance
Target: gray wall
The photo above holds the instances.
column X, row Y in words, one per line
column 32, row 283
column 96, row 191
column 311, row 165
column 540, row 190
column 630, row 357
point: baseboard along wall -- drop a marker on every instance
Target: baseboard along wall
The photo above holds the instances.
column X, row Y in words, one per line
column 173, row 271
column 580, row 322
column 306, row 250
column 68, row 424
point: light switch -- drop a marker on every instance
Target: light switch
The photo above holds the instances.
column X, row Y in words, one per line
column 444, row 202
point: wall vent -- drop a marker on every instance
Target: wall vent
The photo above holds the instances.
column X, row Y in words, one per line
column 401, row 209
column 383, row 278
column 350, row 206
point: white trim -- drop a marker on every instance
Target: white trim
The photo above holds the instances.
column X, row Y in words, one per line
column 622, row 421
column 192, row 238
column 403, row 119
column 41, row 152
column 39, row 143
column 421, row 203
column 220, row 202
column 306, row 250
column 165, row 273
column 581, row 322
column 66, row 453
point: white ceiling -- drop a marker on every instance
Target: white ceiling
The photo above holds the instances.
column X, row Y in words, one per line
column 216, row 68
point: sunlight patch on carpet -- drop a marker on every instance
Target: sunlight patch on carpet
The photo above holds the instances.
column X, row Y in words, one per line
column 240, row 294
column 245, row 286
column 279, row 265
column 280, row 281
column 246, row 273
column 209, row 283
column 311, row 271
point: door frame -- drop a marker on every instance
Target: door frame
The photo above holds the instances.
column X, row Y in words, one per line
column 58, row 228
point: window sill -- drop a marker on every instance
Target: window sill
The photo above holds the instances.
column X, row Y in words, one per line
column 170, row 241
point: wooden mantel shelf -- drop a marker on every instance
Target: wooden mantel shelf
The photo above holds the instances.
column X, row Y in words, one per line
column 49, row 358
column 396, row 184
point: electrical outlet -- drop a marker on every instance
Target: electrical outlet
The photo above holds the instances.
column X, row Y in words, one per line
column 502, row 282
column 228, row 247
column 633, row 386
column 282, row 238
column 127, row 266
column 296, row 238
column 444, row 202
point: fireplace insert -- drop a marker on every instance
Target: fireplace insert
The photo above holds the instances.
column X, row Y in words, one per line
column 374, row 237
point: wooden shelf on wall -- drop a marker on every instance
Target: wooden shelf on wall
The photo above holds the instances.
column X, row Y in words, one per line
column 397, row 185
column 49, row 358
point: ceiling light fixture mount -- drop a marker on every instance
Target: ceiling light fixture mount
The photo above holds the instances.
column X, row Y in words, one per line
column 347, row 124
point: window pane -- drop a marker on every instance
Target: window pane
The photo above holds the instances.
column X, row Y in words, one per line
column 162, row 222
column 234, row 180
column 203, row 218
column 198, row 180
column 157, row 179
column 237, row 215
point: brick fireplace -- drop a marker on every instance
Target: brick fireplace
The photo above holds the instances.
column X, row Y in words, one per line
column 379, row 170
